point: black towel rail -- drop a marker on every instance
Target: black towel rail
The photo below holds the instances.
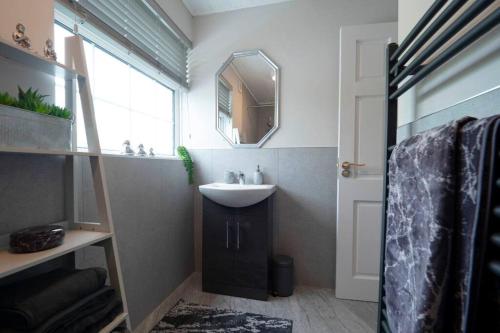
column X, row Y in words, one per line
column 427, row 34
column 420, row 45
column 429, row 14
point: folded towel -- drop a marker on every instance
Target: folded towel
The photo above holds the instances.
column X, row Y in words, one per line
column 86, row 316
column 27, row 304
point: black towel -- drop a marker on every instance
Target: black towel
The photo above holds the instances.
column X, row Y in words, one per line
column 85, row 316
column 472, row 143
column 88, row 315
column 28, row 303
column 483, row 286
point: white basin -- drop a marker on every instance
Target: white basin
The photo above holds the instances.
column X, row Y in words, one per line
column 235, row 195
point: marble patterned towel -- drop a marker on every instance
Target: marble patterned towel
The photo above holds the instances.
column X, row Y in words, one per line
column 470, row 143
column 422, row 216
column 190, row 318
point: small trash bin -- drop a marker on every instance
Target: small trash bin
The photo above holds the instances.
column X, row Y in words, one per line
column 282, row 276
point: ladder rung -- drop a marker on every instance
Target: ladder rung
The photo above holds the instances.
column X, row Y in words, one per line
column 385, row 327
column 495, row 239
column 495, row 267
column 496, row 211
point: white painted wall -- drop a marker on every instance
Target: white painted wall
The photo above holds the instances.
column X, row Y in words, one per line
column 302, row 37
column 472, row 72
column 36, row 15
column 176, row 10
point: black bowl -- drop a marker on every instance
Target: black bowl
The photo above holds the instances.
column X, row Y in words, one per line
column 37, row 238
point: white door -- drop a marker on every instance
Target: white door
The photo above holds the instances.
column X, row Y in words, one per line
column 361, row 138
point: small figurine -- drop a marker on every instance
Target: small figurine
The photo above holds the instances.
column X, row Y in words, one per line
column 126, row 148
column 151, row 152
column 270, row 122
column 141, row 151
column 49, row 51
column 20, row 38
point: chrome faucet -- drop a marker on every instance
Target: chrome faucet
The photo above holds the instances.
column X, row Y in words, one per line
column 241, row 178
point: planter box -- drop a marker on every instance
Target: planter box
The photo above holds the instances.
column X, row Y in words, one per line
column 22, row 128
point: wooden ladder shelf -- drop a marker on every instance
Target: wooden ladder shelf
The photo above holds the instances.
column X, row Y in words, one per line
column 80, row 234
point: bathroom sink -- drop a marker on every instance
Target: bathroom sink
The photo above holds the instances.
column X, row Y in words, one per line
column 235, row 195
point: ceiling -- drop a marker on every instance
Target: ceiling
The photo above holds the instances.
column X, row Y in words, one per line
column 205, row 7
column 256, row 75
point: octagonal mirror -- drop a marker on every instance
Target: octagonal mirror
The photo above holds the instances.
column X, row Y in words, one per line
column 247, row 99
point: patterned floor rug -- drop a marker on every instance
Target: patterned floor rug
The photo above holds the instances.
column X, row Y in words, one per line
column 194, row 318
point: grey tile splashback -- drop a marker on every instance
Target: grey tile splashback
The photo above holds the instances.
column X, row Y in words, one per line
column 31, row 191
column 484, row 105
column 305, row 213
column 152, row 206
column 246, row 160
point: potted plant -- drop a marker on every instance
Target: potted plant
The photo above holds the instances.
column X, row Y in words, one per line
column 28, row 121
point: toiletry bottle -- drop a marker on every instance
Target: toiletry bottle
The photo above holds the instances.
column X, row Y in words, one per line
column 257, row 176
column 228, row 177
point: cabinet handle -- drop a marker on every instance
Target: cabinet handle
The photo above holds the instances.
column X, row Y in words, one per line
column 227, row 233
column 238, row 231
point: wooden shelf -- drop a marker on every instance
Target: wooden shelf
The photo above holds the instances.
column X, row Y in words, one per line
column 11, row 263
column 28, row 58
column 114, row 324
column 22, row 150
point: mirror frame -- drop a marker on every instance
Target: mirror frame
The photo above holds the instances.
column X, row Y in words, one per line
column 240, row 54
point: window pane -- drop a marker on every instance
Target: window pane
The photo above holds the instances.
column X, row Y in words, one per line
column 111, row 79
column 113, row 124
column 128, row 104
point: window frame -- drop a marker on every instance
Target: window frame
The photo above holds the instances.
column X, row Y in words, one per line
column 64, row 17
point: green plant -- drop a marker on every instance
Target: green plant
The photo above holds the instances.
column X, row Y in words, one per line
column 6, row 99
column 57, row 111
column 188, row 162
column 32, row 100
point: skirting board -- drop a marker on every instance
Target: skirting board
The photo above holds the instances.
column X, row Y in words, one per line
column 154, row 317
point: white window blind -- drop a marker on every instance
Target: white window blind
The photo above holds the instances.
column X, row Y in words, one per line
column 140, row 27
column 225, row 108
column 224, row 98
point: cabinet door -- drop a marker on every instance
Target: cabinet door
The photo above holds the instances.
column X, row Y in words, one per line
column 251, row 251
column 218, row 254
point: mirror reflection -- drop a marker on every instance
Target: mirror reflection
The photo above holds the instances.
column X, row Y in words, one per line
column 247, row 98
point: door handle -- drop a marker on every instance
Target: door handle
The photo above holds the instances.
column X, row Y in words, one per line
column 347, row 165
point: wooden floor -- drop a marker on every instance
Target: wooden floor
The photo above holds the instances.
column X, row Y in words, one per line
column 313, row 310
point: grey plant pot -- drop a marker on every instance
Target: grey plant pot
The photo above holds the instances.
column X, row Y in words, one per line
column 22, row 128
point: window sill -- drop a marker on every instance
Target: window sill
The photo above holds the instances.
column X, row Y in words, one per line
column 160, row 157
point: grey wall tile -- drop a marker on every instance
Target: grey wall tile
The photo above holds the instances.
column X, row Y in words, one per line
column 245, row 160
column 202, row 159
column 31, row 191
column 482, row 106
column 152, row 207
column 306, row 210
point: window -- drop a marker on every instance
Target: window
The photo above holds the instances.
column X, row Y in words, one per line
column 132, row 100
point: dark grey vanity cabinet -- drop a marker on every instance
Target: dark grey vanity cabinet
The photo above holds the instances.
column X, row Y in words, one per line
column 238, row 249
